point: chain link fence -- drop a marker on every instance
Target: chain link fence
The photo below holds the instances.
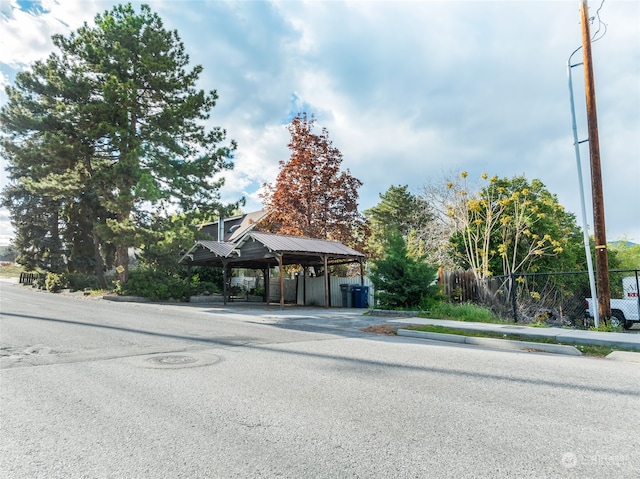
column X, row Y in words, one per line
column 557, row 299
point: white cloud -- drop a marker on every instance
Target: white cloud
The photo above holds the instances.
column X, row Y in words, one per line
column 26, row 35
column 407, row 90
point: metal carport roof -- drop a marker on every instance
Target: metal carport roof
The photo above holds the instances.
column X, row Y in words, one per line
column 259, row 250
column 262, row 250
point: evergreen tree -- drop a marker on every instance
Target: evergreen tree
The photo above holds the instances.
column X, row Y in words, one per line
column 398, row 210
column 401, row 280
column 118, row 124
column 36, row 223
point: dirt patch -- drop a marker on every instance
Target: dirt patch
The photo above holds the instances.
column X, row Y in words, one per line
column 388, row 329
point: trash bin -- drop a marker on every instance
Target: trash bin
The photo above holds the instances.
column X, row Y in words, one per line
column 361, row 296
column 347, row 295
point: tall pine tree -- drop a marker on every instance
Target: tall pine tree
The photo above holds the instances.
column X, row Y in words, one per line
column 119, row 125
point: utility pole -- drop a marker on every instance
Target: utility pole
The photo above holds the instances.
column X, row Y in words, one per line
column 600, row 235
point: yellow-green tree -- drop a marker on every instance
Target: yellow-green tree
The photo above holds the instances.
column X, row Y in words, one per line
column 511, row 225
column 626, row 254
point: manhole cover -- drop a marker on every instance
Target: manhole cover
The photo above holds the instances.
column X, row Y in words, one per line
column 194, row 359
column 172, row 360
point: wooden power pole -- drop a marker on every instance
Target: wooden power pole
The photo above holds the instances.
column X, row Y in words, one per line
column 600, row 235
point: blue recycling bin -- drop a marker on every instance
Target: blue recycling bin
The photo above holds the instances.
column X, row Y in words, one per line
column 360, row 296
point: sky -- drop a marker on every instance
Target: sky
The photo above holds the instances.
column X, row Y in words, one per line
column 411, row 92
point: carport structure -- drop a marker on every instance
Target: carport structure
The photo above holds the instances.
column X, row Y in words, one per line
column 262, row 251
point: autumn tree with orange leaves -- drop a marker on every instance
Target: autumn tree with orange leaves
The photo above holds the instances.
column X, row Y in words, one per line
column 311, row 197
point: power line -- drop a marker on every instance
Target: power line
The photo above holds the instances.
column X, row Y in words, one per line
column 601, row 24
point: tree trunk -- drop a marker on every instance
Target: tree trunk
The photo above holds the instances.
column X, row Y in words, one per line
column 122, row 263
column 56, row 261
column 97, row 258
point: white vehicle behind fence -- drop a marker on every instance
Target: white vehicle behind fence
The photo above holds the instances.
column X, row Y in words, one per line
column 625, row 311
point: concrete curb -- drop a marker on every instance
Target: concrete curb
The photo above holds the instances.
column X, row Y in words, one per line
column 126, row 299
column 625, row 356
column 567, row 336
column 493, row 342
column 213, row 298
column 451, row 338
column 387, row 313
column 611, row 340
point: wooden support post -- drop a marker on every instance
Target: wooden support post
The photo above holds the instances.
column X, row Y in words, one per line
column 224, row 283
column 304, row 286
column 326, row 282
column 280, row 267
column 267, row 285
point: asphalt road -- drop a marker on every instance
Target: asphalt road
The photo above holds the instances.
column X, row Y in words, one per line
column 98, row 389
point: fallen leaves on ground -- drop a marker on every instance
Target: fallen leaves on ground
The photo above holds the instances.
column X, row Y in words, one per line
column 388, row 329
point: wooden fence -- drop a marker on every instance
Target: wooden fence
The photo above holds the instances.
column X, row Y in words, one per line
column 460, row 286
column 29, row 278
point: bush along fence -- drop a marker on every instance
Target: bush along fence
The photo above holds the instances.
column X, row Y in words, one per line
column 550, row 298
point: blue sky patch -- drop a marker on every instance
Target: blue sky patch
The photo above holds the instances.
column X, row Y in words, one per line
column 32, row 6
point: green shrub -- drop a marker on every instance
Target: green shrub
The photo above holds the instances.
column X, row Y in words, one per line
column 80, row 281
column 39, row 282
column 208, row 275
column 200, row 287
column 54, row 282
column 155, row 285
column 257, row 291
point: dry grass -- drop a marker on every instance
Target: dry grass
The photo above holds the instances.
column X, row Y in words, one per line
column 387, row 329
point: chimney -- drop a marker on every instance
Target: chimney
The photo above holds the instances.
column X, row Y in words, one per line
column 221, row 229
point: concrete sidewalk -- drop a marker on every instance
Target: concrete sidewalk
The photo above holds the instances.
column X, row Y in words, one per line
column 356, row 319
column 567, row 336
